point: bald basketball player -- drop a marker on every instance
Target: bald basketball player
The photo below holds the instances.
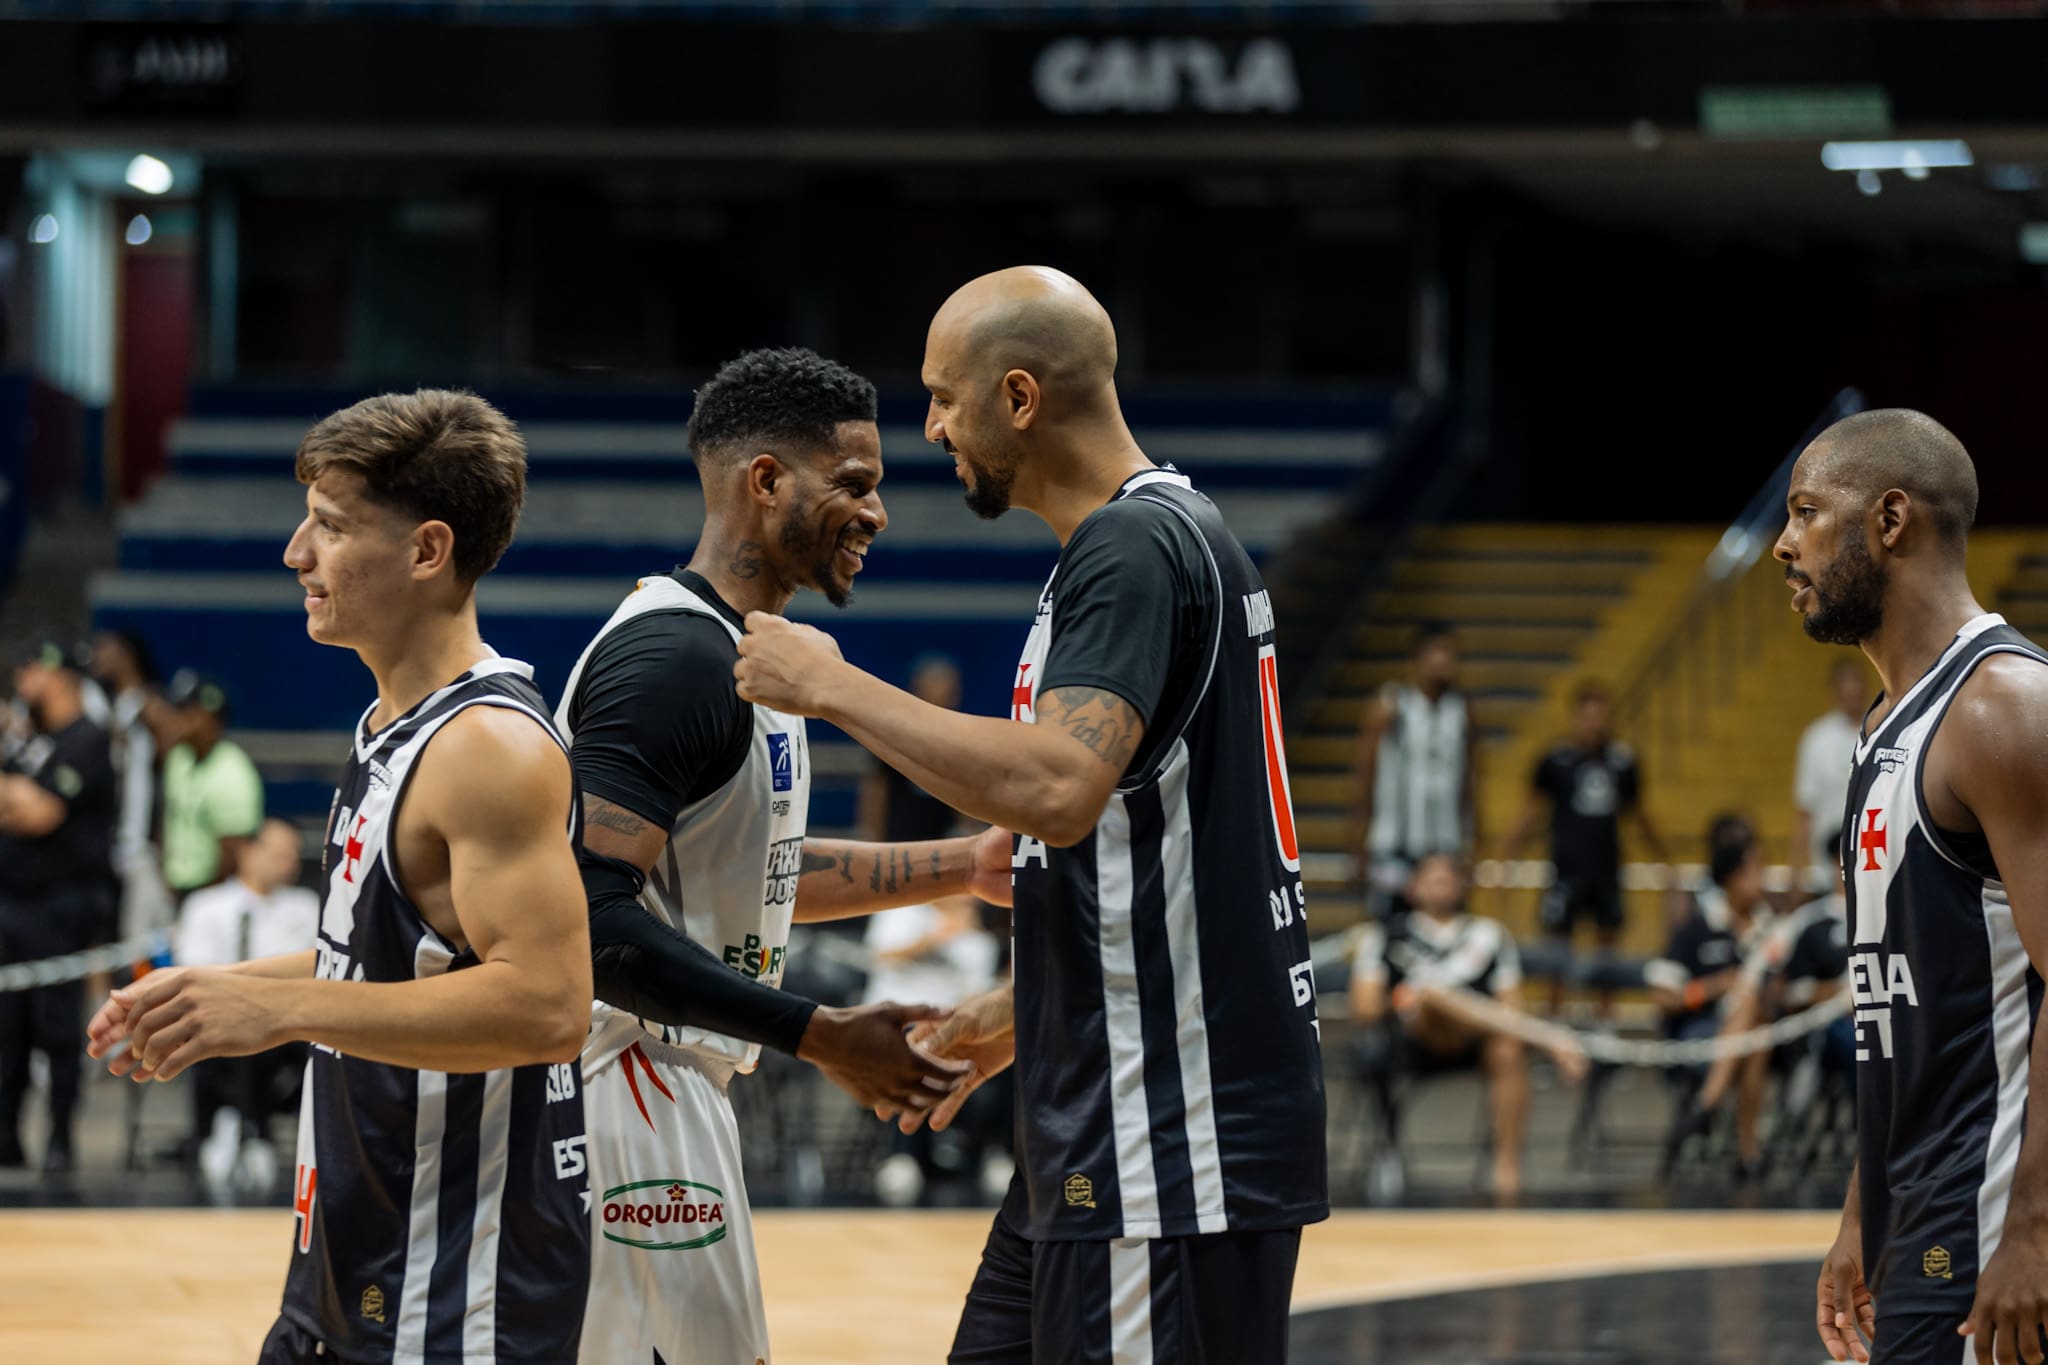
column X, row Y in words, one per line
column 1945, row 1229
column 1163, row 1017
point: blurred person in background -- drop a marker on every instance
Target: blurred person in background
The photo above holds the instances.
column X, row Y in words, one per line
column 1820, row 782
column 213, row 797
column 1703, row 964
column 1588, row 783
column 57, row 812
column 122, row 664
column 1405, row 977
column 261, row 911
column 894, row 809
column 1800, row 960
column 1417, row 771
column 939, row 954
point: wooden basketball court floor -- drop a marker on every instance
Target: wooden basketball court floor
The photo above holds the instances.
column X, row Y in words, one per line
column 200, row 1287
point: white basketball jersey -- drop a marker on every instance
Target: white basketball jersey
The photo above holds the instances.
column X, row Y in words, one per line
column 727, row 876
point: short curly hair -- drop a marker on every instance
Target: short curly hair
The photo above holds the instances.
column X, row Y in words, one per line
column 787, row 396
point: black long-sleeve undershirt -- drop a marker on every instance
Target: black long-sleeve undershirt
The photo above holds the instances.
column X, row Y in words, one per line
column 642, row 965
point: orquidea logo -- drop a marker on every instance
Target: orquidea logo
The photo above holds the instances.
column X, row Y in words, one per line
column 664, row 1215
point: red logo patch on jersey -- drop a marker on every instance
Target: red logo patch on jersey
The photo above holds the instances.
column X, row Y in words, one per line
column 1873, row 840
column 353, row 849
column 1020, row 695
column 304, row 1182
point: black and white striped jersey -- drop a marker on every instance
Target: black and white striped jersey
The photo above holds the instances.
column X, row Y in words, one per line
column 1168, row 1059
column 1945, row 1002
column 441, row 1219
column 1468, row 952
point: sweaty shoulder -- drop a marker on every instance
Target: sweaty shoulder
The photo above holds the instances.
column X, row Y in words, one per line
column 1994, row 738
column 491, row 767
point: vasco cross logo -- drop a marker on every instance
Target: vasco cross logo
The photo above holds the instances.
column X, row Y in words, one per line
column 1873, row 840
column 779, row 764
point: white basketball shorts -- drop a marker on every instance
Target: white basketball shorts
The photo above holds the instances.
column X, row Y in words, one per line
column 672, row 1272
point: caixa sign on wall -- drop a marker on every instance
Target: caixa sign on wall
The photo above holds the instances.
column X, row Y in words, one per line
column 183, row 67
column 1115, row 75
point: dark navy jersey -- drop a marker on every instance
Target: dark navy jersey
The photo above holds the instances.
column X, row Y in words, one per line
column 1945, row 1004
column 440, row 1218
column 1169, row 1072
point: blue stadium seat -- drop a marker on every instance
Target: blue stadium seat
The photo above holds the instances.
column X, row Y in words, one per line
column 612, row 498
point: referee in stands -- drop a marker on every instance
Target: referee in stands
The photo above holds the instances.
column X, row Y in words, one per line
column 57, row 809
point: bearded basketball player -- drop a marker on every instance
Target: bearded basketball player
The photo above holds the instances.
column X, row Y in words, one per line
column 1944, row 1233
column 697, row 803
column 1169, row 1074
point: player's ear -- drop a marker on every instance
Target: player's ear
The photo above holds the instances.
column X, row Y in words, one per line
column 765, row 478
column 1021, row 398
column 433, row 548
column 1894, row 511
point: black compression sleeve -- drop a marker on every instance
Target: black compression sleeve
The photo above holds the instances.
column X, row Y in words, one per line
column 641, row 965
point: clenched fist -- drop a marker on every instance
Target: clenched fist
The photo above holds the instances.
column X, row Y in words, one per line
column 785, row 666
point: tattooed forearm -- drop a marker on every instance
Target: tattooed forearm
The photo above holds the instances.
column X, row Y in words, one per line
column 843, row 879
column 1107, row 724
column 817, row 862
column 746, row 560
column 597, row 811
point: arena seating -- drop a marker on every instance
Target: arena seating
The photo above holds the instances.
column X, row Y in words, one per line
column 612, row 497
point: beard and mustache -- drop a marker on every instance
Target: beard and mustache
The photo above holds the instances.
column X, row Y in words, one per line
column 1848, row 597
column 988, row 497
column 808, row 544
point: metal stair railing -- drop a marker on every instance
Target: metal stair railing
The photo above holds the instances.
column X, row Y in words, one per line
column 1736, row 604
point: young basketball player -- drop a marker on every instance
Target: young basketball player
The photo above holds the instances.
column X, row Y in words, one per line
column 696, row 803
column 1945, row 850
column 1169, row 1078
column 441, row 1185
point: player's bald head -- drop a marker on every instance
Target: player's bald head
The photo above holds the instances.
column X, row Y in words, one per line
column 1031, row 318
column 1871, row 453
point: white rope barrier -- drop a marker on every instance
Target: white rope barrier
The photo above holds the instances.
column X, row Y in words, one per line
column 55, row 971
column 1332, row 949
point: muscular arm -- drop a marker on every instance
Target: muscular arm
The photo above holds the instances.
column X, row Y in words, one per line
column 493, row 790
column 1989, row 771
column 1049, row 780
column 842, row 879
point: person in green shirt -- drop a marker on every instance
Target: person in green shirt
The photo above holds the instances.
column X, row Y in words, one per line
column 213, row 797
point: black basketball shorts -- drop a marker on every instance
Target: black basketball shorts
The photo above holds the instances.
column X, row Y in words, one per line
column 1220, row 1299
column 1566, row 903
column 1924, row 1339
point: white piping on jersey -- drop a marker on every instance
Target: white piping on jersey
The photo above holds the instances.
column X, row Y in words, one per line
column 1935, row 838
column 483, row 668
column 2011, row 1045
column 1122, row 1023
column 423, row 1234
column 494, row 1140
column 1194, row 705
column 1972, row 628
column 1130, row 1301
column 1190, row 1011
column 415, row 746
